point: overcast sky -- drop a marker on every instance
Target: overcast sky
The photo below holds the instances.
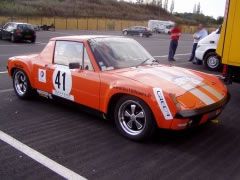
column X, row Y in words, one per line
column 209, row 7
column 213, row 8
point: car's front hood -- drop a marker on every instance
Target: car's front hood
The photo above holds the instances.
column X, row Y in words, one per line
column 190, row 89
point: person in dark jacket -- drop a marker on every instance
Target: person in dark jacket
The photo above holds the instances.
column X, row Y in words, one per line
column 175, row 35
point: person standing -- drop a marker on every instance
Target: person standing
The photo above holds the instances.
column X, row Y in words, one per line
column 200, row 34
column 175, row 35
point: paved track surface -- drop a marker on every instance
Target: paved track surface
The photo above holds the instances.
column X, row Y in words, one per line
column 91, row 146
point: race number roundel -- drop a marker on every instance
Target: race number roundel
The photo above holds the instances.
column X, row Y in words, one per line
column 62, row 82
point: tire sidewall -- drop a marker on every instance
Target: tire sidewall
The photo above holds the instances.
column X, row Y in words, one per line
column 13, row 38
column 206, row 59
column 28, row 92
column 150, row 123
column 33, row 40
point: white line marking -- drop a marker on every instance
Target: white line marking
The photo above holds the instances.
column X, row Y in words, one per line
column 21, row 45
column 175, row 55
column 3, row 72
column 54, row 166
column 55, row 32
column 6, row 90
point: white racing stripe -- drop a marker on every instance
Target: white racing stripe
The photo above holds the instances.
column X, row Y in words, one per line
column 187, row 85
column 213, row 92
column 203, row 97
column 54, row 166
column 199, row 94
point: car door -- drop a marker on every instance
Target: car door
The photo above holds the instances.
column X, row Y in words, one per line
column 131, row 31
column 80, row 85
column 136, row 31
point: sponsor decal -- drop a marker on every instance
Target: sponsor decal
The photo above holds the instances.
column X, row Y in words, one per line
column 162, row 103
column 62, row 82
column 42, row 75
column 131, row 91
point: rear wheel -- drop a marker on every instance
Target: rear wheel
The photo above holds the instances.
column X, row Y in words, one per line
column 133, row 118
column 13, row 39
column 212, row 61
column 21, row 84
column 141, row 34
column 33, row 40
column 125, row 33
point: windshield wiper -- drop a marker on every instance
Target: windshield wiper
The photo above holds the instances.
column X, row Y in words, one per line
column 144, row 62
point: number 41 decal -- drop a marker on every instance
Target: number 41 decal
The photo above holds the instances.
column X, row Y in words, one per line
column 62, row 82
column 58, row 80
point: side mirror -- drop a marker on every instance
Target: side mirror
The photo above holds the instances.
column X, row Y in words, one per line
column 74, row 66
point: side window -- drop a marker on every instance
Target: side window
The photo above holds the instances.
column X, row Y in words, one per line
column 10, row 27
column 87, row 61
column 67, row 52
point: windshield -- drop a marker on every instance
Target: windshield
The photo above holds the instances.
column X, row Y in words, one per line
column 116, row 53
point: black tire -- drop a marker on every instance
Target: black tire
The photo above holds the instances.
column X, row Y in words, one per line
column 26, row 91
column 125, row 33
column 145, row 118
column 13, row 39
column 212, row 61
column 33, row 40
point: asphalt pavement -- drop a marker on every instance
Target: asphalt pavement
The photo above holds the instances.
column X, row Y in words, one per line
column 92, row 148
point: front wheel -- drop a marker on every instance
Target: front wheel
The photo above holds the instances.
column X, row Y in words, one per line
column 212, row 61
column 21, row 84
column 133, row 118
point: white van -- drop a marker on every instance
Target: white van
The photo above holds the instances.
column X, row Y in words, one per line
column 160, row 26
column 206, row 51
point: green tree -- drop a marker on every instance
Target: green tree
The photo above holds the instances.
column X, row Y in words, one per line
column 198, row 11
column 165, row 5
column 160, row 3
column 172, row 6
column 195, row 8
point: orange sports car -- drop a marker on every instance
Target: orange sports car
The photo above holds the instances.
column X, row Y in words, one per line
column 119, row 78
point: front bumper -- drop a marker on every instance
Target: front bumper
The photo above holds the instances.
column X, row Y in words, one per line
column 201, row 111
column 191, row 118
column 199, row 54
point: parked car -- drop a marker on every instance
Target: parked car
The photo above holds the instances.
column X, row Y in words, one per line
column 137, row 30
column 206, row 51
column 36, row 27
column 16, row 31
column 119, row 78
column 47, row 27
